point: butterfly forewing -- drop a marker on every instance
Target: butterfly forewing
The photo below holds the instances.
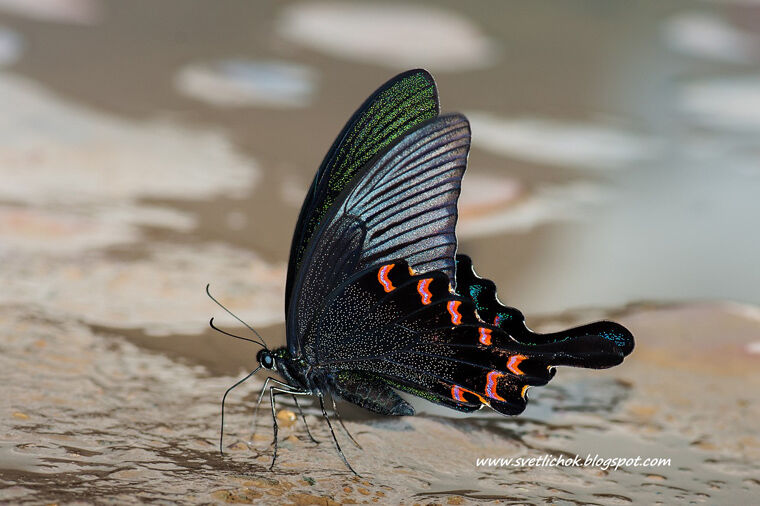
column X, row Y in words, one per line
column 408, row 199
column 397, row 107
column 403, row 205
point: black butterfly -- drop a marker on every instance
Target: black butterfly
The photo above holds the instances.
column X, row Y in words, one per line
column 377, row 300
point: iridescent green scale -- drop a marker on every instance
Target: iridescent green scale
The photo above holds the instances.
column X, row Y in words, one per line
column 406, row 104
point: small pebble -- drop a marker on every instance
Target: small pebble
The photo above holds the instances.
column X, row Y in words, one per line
column 286, row 418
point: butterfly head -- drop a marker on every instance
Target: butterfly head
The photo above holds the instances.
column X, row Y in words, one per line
column 266, row 359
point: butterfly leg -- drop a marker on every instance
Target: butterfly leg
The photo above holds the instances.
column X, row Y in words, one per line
column 303, row 417
column 258, row 404
column 340, row 420
column 273, row 391
column 268, row 380
column 337, row 445
column 224, row 398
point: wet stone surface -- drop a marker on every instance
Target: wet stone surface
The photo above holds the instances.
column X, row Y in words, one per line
column 87, row 414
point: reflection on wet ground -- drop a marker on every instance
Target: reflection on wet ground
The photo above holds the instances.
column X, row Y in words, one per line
column 151, row 148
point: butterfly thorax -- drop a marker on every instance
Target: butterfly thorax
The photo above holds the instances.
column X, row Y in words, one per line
column 293, row 370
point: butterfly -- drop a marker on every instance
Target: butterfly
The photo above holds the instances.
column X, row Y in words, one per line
column 377, row 299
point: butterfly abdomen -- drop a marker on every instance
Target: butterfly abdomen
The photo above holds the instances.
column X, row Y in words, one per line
column 370, row 392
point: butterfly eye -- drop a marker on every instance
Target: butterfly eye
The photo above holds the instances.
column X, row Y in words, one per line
column 267, row 361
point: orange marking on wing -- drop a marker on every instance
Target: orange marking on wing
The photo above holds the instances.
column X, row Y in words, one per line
column 524, row 389
column 491, row 382
column 514, row 362
column 453, row 307
column 382, row 276
column 422, row 289
column 457, row 393
column 485, row 336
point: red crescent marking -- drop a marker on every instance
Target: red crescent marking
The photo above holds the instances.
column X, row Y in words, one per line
column 422, row 289
column 457, row 394
column 491, row 380
column 382, row 276
column 485, row 336
column 513, row 362
column 453, row 307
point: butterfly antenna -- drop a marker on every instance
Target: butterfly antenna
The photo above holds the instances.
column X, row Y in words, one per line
column 211, row 324
column 263, row 343
column 224, row 398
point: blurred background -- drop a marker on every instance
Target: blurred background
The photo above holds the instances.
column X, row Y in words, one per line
column 148, row 148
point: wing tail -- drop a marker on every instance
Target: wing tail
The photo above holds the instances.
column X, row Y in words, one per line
column 491, row 310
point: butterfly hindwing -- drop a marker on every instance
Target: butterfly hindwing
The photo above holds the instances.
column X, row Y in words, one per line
column 397, row 107
column 416, row 333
